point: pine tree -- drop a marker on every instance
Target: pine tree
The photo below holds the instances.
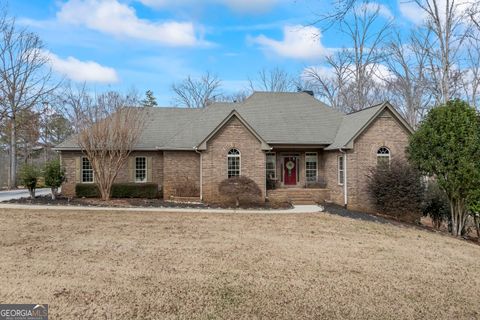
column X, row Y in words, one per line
column 149, row 100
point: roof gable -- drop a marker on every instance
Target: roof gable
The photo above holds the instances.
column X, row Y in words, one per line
column 274, row 118
column 203, row 144
column 356, row 123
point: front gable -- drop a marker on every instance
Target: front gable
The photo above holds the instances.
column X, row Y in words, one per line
column 234, row 115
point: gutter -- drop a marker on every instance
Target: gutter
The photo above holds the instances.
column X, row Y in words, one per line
column 201, row 172
column 345, row 188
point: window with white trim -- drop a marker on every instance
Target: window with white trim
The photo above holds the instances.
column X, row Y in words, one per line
column 311, row 160
column 140, row 169
column 233, row 163
column 383, row 157
column 341, row 170
column 271, row 165
column 87, row 171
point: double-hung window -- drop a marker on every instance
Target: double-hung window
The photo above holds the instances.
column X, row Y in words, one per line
column 87, row 171
column 271, row 165
column 311, row 161
column 341, row 170
column 140, row 169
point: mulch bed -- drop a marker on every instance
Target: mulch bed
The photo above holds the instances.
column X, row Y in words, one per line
column 385, row 219
column 134, row 203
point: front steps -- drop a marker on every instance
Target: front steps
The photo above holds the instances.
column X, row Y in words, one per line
column 299, row 196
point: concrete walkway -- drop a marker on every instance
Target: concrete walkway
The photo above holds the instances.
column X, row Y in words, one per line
column 21, row 193
column 295, row 209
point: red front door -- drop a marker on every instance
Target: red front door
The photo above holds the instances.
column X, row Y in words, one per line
column 290, row 171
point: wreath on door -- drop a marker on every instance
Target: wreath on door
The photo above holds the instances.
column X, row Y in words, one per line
column 290, row 165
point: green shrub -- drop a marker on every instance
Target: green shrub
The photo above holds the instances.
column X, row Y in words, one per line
column 87, row 190
column 119, row 190
column 135, row 190
column 54, row 176
column 29, row 177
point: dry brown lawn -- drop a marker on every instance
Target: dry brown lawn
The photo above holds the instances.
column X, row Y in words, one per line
column 132, row 265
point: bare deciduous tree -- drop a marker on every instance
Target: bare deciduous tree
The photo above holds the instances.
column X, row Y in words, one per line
column 236, row 97
column 471, row 76
column 367, row 35
column 25, row 78
column 446, row 23
column 330, row 83
column 272, row 80
column 196, row 93
column 409, row 85
column 108, row 132
column 352, row 81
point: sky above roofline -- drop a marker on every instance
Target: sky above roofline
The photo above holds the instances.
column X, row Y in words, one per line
column 150, row 44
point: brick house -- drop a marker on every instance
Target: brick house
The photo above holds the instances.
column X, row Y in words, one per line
column 295, row 145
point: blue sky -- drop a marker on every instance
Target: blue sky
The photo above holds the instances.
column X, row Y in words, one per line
column 149, row 44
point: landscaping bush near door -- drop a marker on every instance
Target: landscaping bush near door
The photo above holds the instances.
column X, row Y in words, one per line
column 240, row 191
column 119, row 190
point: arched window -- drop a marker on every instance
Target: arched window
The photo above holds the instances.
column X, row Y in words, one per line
column 383, row 156
column 233, row 163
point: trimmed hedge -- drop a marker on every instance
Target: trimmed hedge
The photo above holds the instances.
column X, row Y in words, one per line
column 87, row 190
column 119, row 190
column 135, row 190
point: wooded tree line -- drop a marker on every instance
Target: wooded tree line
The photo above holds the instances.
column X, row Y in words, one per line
column 415, row 69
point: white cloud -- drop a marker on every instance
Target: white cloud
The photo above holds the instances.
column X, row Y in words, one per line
column 81, row 71
column 112, row 17
column 383, row 10
column 417, row 15
column 244, row 6
column 412, row 12
column 299, row 42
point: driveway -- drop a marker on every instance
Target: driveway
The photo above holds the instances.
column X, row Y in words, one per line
column 21, row 193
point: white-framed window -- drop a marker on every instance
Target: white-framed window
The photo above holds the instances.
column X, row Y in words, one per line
column 233, row 163
column 341, row 170
column 140, row 169
column 87, row 171
column 311, row 164
column 271, row 165
column 383, row 156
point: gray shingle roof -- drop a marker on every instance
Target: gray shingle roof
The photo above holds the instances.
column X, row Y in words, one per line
column 279, row 118
column 351, row 124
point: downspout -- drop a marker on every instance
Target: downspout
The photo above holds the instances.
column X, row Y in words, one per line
column 265, row 171
column 201, row 172
column 345, row 188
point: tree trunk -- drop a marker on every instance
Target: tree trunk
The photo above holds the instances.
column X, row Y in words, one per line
column 54, row 193
column 477, row 225
column 12, row 184
column 104, row 192
column 32, row 193
column 458, row 214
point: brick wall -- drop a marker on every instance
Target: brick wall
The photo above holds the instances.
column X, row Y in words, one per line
column 330, row 161
column 181, row 174
column 69, row 162
column 214, row 160
column 385, row 131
